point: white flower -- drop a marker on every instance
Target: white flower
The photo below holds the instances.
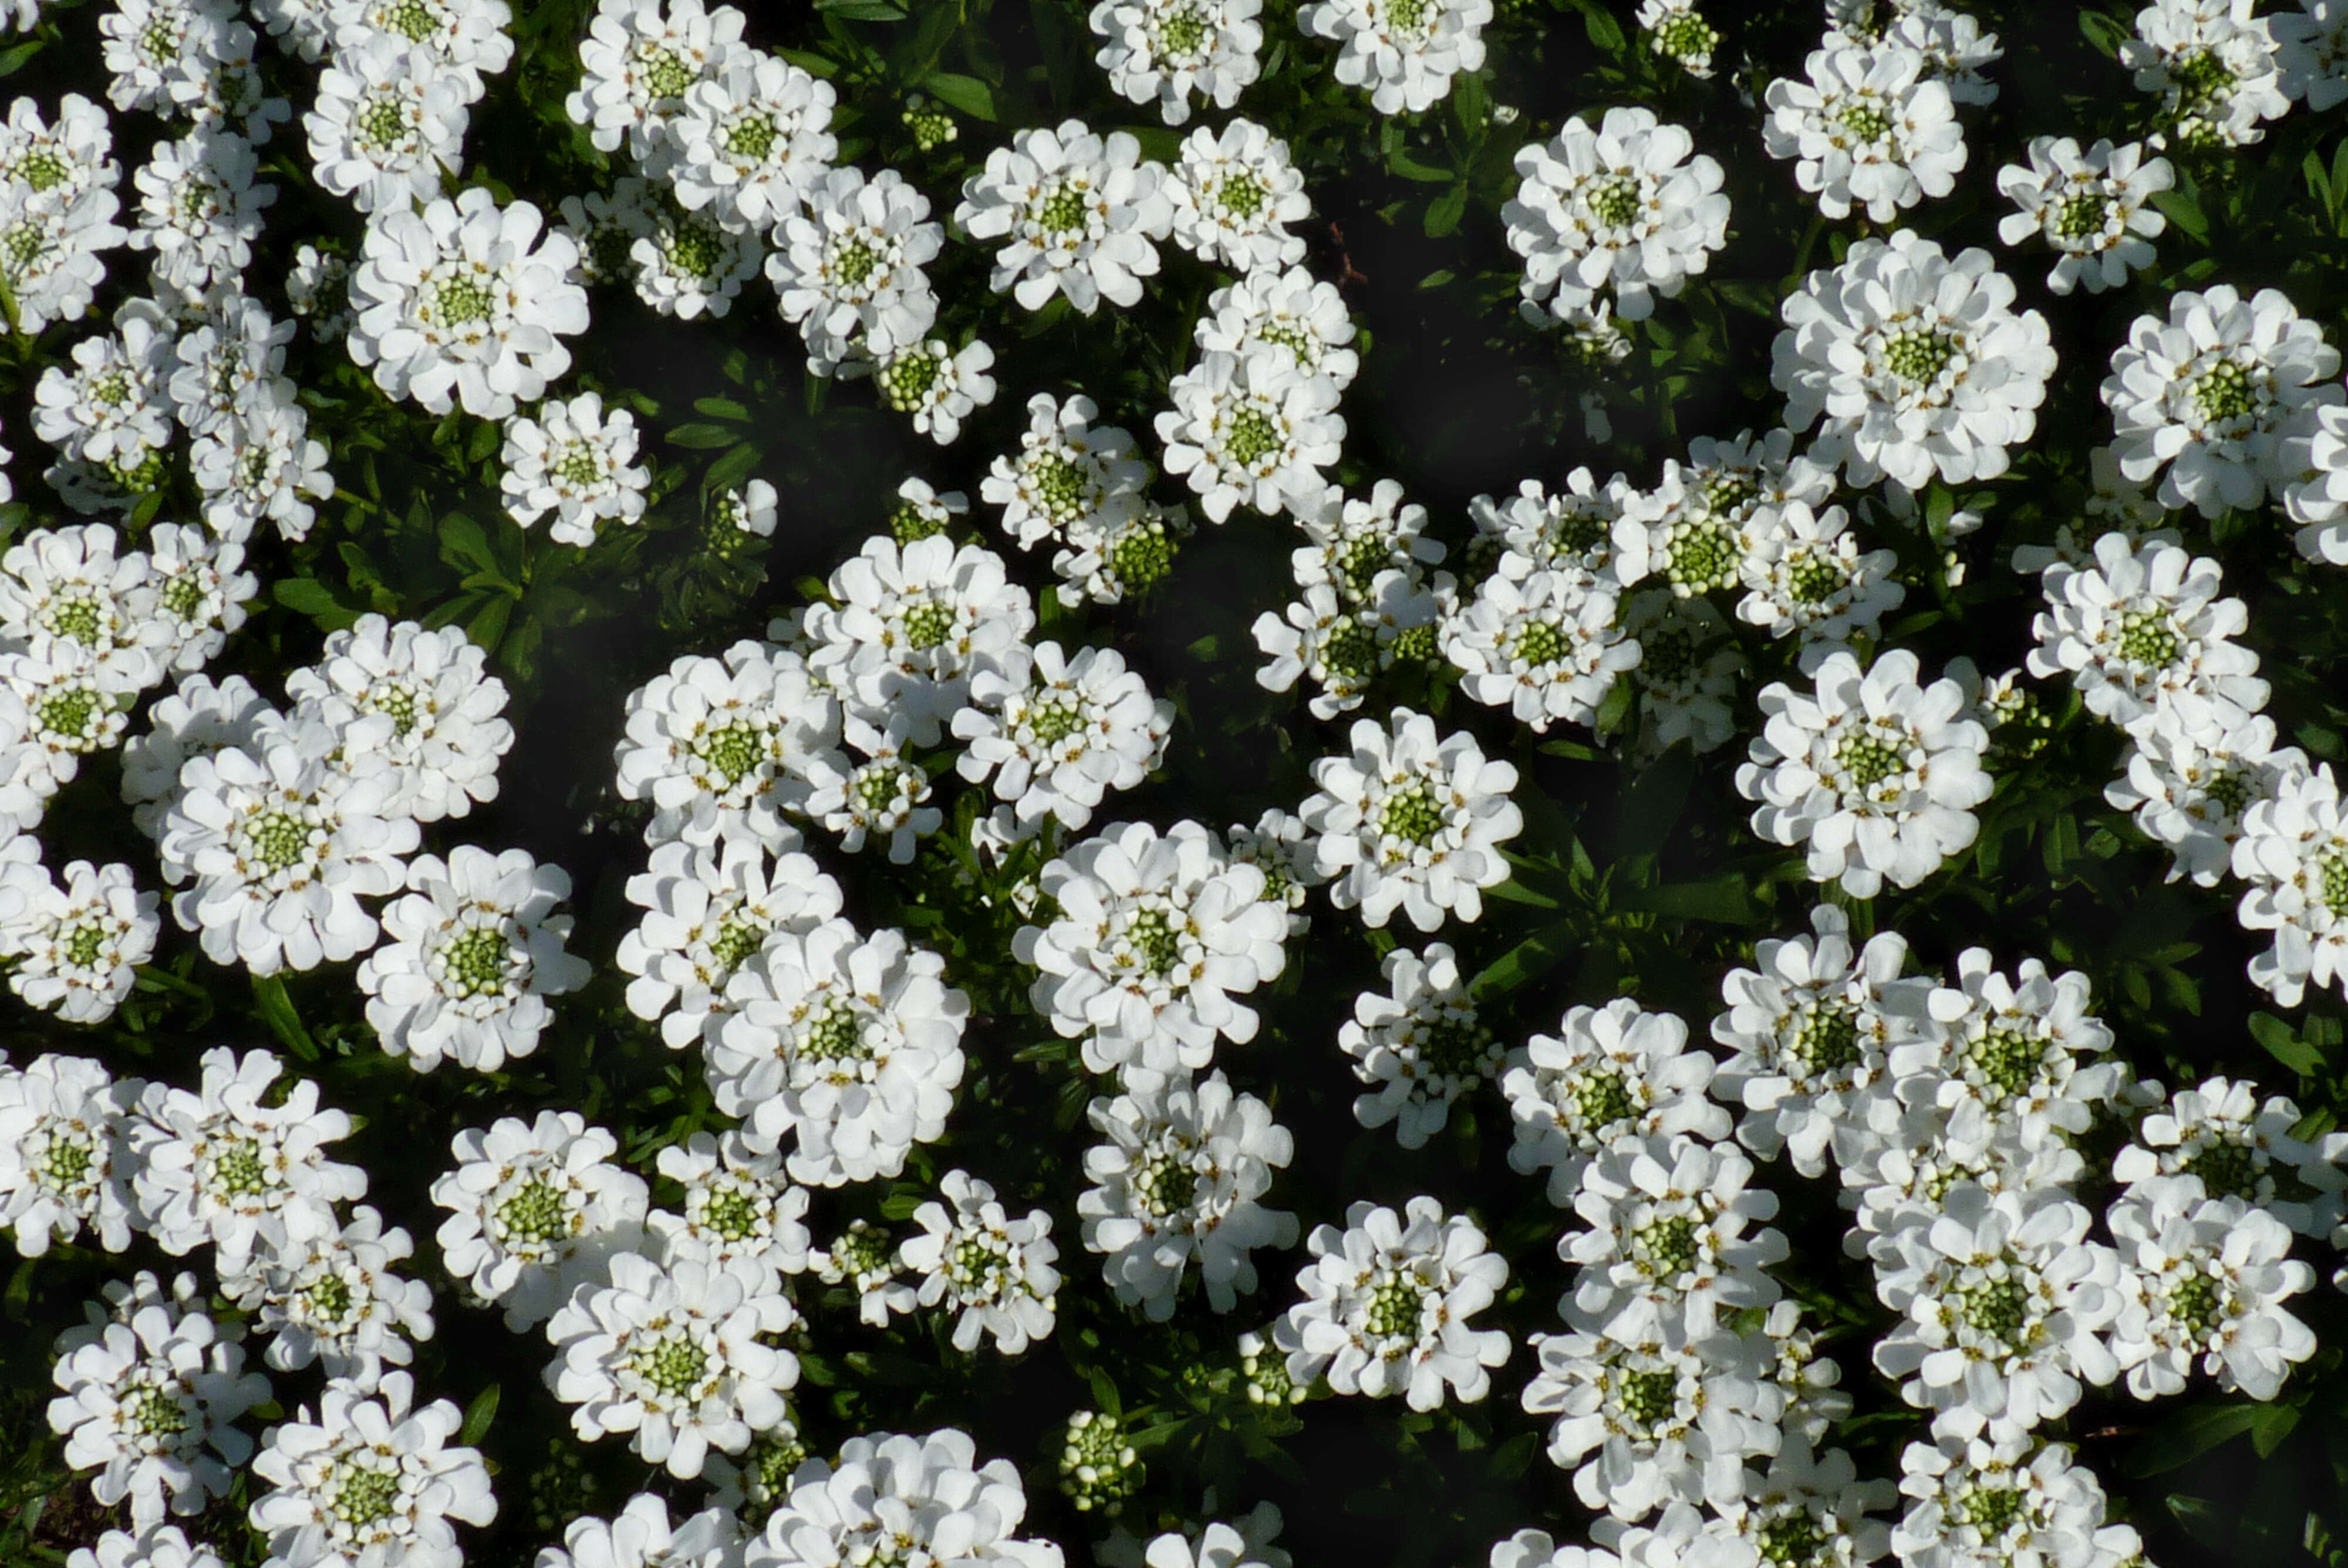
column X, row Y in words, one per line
column 282, row 843
column 55, row 708
column 333, row 1299
column 2005, row 1301
column 1153, row 935
column 389, row 124
column 1875, row 772
column 909, row 630
column 750, row 140
column 78, row 948
column 707, row 740
column 1180, row 1181
column 2214, row 65
column 639, row 61
column 1534, row 1548
column 1984, row 1503
column 1068, row 475
column 372, row 1480
column 576, row 461
column 1678, row 1239
column 1810, row 1503
column 2188, row 791
column 159, row 1546
column 604, row 227
column 1404, row 51
column 852, row 1044
column 1652, row 1423
column 995, row 1271
column 1079, row 213
column 1920, row 364
column 72, row 586
column 535, row 1209
column 2310, row 51
column 1245, row 1544
column 1868, row 127
column 689, row 264
column 1679, row 32
column 318, row 290
column 466, row 301
column 1103, row 565
column 749, row 508
column 861, row 1257
column 475, row 948
column 1061, row 733
column 149, row 1400
column 708, row 908
column 114, row 407
column 1419, row 1045
column 1538, row 643
column 223, row 1163
column 927, row 1497
column 739, row 1208
column 2310, row 479
column 201, row 717
column 200, row 592
column 2293, row 852
column 881, row 798
column 2093, row 209
column 677, row 1354
column 1900, row 1177
column 199, row 210
column 1406, row 822
column 1164, row 50
column 2013, row 1050
column 1387, row 1303
column 2143, row 633
column 422, row 700
column 1620, row 209
column 57, row 206
column 1234, row 194
column 1283, row 309
column 66, row 1164
column 1806, row 574
column 938, row 385
column 261, row 466
column 1610, row 1073
column 2208, row 395
column 1812, row 1030
column 1574, row 531
column 2205, row 1279
column 1251, row 426
column 2219, row 1141
column 848, row 265
column 468, row 38
column 640, row 1536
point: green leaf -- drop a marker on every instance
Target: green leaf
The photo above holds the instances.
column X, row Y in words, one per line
column 2185, row 1436
column 309, row 597
column 2276, row 1037
column 2274, row 1423
column 863, row 10
column 968, row 94
column 13, row 59
column 1444, row 214
column 479, row 1414
column 721, row 408
column 1409, row 168
column 705, row 438
column 1722, row 898
column 464, row 543
column 1605, row 33
column 277, row 1012
column 1528, row 959
column 2185, row 212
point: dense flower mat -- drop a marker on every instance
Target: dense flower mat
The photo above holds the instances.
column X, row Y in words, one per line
column 909, row 783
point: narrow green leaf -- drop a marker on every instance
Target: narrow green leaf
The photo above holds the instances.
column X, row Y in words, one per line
column 721, row 408
column 2185, row 1436
column 707, row 437
column 479, row 1414
column 968, row 94
column 863, row 10
column 277, row 1012
column 2278, row 1041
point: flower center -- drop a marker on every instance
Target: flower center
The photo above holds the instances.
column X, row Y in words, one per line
column 1918, row 355
column 2148, row 638
column 1141, row 557
column 2198, row 1303
column 238, row 1170
column 909, row 377
column 2230, row 788
column 1702, row 555
column 1053, row 717
column 534, row 1213
column 1349, row 649
column 66, row 1164
column 183, row 596
column 1603, row 1100
column 1648, row 1400
column 1995, row 1309
column 1408, row 15
column 43, row 169
column 1153, row 943
column 153, row 1410
column 2203, row 79
column 928, row 624
column 1253, row 437
column 884, row 788
column 2224, row 392
column 279, row 841
column 665, row 74
column 84, row 945
column 1826, row 1040
column 751, row 138
column 1242, row 195
column 411, row 19
column 732, row 1213
column 578, row 466
column 853, row 261
column 2006, row 1060
column 732, row 750
column 1061, row 209
column 1687, row 36
column 329, row 1299
column 1182, row 33
column 695, row 249
column 1793, row 1540
column 462, row 299
column 1866, row 760
column 834, row 1033
column 2082, row 215
column 1668, row 1248
column 2331, row 872
column 1865, row 120
column 1540, row 643
column 2227, row 1169
column 1061, row 488
column 1992, row 1510
column 1616, row 200
column 1166, row 1184
column 673, row 1364
column 113, row 388
column 735, row 941
column 1396, row 1307
column 475, row 963
column 381, row 124
column 1814, row 579
column 363, row 1495
column 1410, row 814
